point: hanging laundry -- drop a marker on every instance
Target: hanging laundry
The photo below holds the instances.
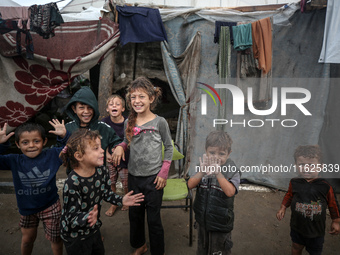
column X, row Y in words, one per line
column 140, row 24
column 242, row 37
column 44, row 19
column 28, row 41
column 218, row 25
column 262, row 43
column 224, row 55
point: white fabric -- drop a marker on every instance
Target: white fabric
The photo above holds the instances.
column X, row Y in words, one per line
column 91, row 13
column 330, row 52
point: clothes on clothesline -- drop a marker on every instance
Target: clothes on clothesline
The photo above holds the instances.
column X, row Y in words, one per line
column 218, row 25
column 44, row 19
column 262, row 43
column 28, row 42
column 242, row 37
column 140, row 24
column 256, row 35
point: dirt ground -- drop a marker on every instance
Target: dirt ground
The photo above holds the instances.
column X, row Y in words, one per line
column 256, row 229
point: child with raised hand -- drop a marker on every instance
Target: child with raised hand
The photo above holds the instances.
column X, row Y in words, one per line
column 115, row 106
column 144, row 134
column 217, row 183
column 34, row 177
column 309, row 196
column 85, row 189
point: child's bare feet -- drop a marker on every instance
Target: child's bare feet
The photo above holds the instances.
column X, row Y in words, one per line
column 111, row 210
column 140, row 250
column 125, row 208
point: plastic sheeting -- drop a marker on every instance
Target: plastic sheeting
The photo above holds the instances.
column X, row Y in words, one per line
column 296, row 50
column 330, row 52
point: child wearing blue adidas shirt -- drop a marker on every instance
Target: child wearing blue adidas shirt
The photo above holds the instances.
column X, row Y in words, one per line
column 34, row 177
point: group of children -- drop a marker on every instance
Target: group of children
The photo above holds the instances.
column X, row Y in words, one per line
column 96, row 152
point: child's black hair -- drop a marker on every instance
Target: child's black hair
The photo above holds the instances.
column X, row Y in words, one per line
column 219, row 139
column 29, row 127
column 308, row 151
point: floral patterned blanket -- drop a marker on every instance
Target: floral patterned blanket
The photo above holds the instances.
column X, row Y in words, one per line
column 28, row 85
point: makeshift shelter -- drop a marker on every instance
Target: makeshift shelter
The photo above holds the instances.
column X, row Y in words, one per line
column 260, row 141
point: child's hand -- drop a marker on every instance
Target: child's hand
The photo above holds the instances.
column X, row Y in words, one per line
column 214, row 164
column 118, row 155
column 281, row 213
column 3, row 137
column 160, row 182
column 59, row 128
column 204, row 163
column 109, row 157
column 92, row 219
column 132, row 200
column 335, row 228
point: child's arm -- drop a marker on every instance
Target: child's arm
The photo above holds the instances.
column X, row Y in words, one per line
column 333, row 207
column 59, row 128
column 287, row 200
column 3, row 137
column 162, row 175
column 196, row 179
column 227, row 187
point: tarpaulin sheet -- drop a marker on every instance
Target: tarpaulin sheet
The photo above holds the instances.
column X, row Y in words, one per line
column 271, row 143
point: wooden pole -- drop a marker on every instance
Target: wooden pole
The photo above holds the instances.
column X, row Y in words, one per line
column 105, row 82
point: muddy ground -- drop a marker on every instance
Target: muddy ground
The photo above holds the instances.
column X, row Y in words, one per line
column 256, row 230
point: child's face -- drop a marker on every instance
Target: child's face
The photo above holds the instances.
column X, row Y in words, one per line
column 141, row 101
column 223, row 155
column 31, row 143
column 84, row 112
column 115, row 107
column 94, row 154
column 308, row 167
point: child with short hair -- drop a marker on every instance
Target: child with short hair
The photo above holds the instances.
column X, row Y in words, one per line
column 85, row 189
column 144, row 134
column 34, row 177
column 115, row 106
column 83, row 109
column 309, row 197
column 217, row 183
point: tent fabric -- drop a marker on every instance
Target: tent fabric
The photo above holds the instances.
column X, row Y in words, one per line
column 28, row 85
column 295, row 65
column 182, row 71
column 330, row 51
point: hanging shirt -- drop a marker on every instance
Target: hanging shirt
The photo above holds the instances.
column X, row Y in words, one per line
column 140, row 24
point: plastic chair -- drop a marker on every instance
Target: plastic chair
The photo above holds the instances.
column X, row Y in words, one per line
column 175, row 190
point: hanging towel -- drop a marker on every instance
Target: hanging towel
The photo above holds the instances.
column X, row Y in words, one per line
column 242, row 37
column 218, row 25
column 140, row 24
column 262, row 43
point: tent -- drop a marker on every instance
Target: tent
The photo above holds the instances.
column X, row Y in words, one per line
column 263, row 144
column 8, row 3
